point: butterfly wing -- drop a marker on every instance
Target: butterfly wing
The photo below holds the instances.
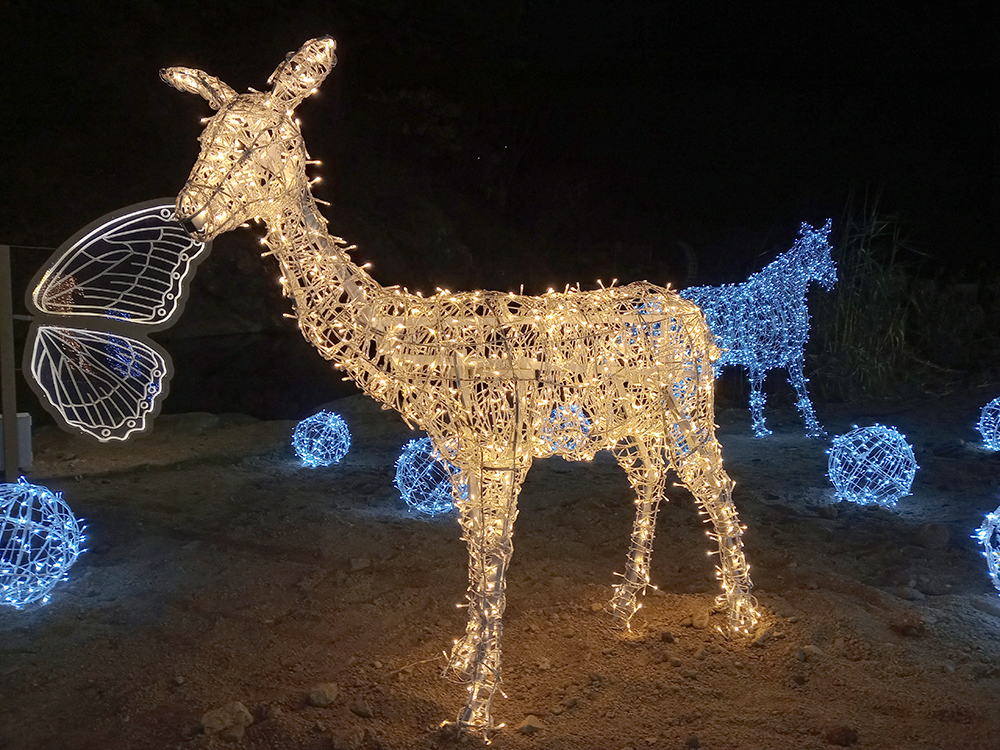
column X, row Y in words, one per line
column 133, row 264
column 105, row 385
column 90, row 362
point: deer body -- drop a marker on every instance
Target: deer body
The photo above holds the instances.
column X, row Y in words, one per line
column 482, row 372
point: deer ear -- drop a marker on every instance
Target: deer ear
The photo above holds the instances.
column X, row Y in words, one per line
column 216, row 93
column 302, row 72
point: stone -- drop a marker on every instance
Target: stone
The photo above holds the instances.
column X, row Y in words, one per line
column 829, row 512
column 322, row 695
column 348, row 739
column 808, row 652
column 362, row 709
column 232, row 734
column 700, row 620
column 231, row 718
column 359, row 563
column 269, row 712
column 530, row 725
column 842, row 736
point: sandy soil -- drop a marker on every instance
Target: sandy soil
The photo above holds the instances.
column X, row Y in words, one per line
column 221, row 570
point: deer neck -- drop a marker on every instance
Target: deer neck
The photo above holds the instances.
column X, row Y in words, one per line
column 336, row 301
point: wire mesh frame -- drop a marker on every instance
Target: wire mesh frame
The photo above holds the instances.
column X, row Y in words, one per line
column 40, row 539
column 763, row 323
column 988, row 536
column 426, row 482
column 481, row 372
column 989, row 425
column 872, row 466
column 322, row 439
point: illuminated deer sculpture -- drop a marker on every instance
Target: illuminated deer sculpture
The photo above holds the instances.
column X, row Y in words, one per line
column 482, row 372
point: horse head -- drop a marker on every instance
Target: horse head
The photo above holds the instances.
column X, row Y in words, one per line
column 815, row 251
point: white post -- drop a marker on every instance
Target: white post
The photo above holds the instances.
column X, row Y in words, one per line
column 9, row 404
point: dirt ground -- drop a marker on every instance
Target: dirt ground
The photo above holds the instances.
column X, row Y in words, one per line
column 219, row 569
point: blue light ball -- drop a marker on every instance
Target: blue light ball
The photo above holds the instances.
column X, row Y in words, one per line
column 989, row 425
column 40, row 539
column 322, row 439
column 568, row 428
column 872, row 466
column 423, row 478
column 988, row 536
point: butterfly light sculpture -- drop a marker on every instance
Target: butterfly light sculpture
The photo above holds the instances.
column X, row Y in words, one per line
column 94, row 302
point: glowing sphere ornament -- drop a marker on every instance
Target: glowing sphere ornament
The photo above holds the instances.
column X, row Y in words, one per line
column 423, row 478
column 322, row 439
column 40, row 539
column 988, row 536
column 872, row 466
column 989, row 425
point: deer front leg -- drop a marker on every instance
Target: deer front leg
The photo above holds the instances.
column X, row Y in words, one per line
column 487, row 523
column 646, row 469
column 757, row 400
column 804, row 404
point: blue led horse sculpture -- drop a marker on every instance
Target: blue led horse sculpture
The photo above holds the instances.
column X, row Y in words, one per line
column 763, row 323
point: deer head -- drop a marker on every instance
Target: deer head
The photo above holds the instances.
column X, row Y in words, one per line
column 253, row 158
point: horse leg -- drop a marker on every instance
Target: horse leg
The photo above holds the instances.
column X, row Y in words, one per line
column 487, row 523
column 645, row 465
column 798, row 380
column 701, row 471
column 757, row 400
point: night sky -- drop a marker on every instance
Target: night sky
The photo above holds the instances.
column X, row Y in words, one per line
column 718, row 127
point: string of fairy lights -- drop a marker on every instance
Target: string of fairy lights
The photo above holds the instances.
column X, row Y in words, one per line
column 623, row 368
column 496, row 380
column 872, row 465
column 40, row 539
column 763, row 323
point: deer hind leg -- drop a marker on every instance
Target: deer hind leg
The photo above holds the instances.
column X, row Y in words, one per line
column 646, row 467
column 487, row 523
column 701, row 471
column 757, row 400
column 798, row 380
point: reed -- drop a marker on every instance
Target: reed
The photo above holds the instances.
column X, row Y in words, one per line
column 859, row 347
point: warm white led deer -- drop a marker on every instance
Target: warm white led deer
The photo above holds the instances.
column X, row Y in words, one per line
column 482, row 372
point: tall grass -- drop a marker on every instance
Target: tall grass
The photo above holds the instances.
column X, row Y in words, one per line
column 858, row 344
